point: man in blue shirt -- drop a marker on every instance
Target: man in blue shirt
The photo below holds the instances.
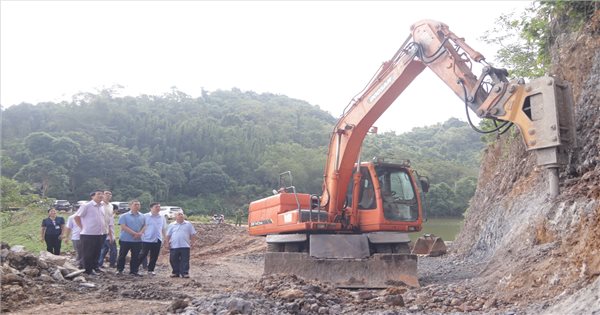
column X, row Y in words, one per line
column 180, row 238
column 130, row 238
column 153, row 234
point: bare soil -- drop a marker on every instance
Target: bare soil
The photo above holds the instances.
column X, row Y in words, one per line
column 226, row 270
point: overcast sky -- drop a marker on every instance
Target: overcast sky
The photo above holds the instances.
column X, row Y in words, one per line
column 320, row 52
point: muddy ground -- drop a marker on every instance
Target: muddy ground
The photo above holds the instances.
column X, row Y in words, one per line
column 226, row 278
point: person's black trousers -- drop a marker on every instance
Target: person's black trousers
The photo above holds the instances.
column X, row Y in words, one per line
column 180, row 260
column 91, row 244
column 125, row 247
column 154, row 250
column 53, row 243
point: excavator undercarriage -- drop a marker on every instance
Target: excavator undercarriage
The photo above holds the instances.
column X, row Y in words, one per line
column 373, row 260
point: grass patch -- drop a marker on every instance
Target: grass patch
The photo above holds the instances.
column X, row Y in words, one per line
column 24, row 227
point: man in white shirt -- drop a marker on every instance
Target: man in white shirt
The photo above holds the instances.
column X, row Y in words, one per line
column 180, row 238
column 74, row 230
column 90, row 219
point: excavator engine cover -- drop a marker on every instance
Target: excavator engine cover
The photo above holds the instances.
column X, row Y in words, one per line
column 429, row 245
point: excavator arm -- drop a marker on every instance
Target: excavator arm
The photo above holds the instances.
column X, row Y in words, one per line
column 541, row 109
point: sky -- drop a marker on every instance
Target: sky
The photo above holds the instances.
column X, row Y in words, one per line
column 318, row 51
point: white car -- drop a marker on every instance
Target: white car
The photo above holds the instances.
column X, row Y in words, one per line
column 169, row 212
column 122, row 206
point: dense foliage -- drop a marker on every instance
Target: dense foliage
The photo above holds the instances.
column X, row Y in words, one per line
column 526, row 39
column 217, row 152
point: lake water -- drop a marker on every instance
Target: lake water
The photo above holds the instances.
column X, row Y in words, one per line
column 447, row 229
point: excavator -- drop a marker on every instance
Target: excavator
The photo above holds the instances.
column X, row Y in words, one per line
column 355, row 234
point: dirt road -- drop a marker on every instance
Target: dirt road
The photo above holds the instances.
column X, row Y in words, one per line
column 226, row 278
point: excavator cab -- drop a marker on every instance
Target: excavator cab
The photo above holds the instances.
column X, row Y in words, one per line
column 390, row 197
column 399, row 197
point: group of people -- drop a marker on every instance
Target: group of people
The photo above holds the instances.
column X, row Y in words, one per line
column 92, row 232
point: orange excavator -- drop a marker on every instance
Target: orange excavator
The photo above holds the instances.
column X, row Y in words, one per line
column 355, row 233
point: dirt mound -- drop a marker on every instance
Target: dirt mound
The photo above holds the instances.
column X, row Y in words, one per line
column 28, row 280
column 225, row 240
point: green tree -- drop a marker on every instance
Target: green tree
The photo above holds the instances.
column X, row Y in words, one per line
column 51, row 177
column 208, row 177
column 441, row 200
column 39, row 143
column 464, row 189
column 15, row 194
column 527, row 37
column 9, row 166
column 174, row 177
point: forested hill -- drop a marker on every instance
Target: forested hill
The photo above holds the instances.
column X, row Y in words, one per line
column 216, row 152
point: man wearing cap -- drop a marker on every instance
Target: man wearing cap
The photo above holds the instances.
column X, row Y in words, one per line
column 89, row 218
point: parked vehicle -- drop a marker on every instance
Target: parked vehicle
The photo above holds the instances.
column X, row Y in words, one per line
column 62, row 205
column 79, row 204
column 169, row 212
column 123, row 206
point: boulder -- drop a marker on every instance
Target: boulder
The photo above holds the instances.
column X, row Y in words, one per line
column 291, row 294
column 31, row 271
column 87, row 285
column 11, row 278
column 53, row 259
column 74, row 274
column 17, row 248
column 239, row 306
column 57, row 275
column 22, row 259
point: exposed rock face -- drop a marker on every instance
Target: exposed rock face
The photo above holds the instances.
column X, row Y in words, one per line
column 536, row 246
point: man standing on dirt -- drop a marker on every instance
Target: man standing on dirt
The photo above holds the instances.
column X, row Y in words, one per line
column 130, row 238
column 74, row 231
column 89, row 218
column 180, row 238
column 153, row 234
column 238, row 217
column 108, row 243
